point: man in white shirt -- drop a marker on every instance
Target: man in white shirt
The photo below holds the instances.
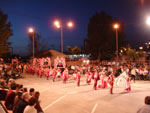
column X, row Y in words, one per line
column 146, row 107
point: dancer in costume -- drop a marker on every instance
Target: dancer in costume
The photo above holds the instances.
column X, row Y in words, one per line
column 96, row 77
column 111, row 82
column 88, row 77
column 78, row 78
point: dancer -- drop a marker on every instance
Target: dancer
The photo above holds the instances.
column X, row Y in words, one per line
column 111, row 82
column 54, row 74
column 47, row 71
column 96, row 77
column 101, row 81
column 127, row 87
column 65, row 75
column 58, row 75
column 78, row 78
column 88, row 77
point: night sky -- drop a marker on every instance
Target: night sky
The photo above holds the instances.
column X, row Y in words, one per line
column 40, row 15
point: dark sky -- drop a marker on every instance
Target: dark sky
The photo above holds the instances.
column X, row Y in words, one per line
column 40, row 14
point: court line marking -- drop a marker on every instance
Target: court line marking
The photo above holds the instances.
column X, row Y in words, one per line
column 73, row 92
column 59, row 99
column 28, row 85
column 44, row 90
column 94, row 108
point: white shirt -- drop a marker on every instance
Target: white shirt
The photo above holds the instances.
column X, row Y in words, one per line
column 144, row 109
column 133, row 72
column 30, row 109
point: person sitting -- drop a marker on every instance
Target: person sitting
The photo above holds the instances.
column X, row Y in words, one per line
column 30, row 108
column 31, row 91
column 6, row 76
column 18, row 98
column 146, row 107
column 37, row 106
column 25, row 89
column 3, row 84
column 9, row 101
column 22, row 104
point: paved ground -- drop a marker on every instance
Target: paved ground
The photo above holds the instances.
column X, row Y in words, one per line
column 57, row 97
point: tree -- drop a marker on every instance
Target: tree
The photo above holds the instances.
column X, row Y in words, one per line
column 69, row 49
column 39, row 44
column 101, row 40
column 131, row 54
column 74, row 51
column 141, row 54
column 5, row 33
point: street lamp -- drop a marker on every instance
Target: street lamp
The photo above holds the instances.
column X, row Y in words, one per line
column 148, row 21
column 58, row 24
column 140, row 48
column 31, row 30
column 116, row 26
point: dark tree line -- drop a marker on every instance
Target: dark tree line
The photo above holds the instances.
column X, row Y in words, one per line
column 101, row 39
column 5, row 33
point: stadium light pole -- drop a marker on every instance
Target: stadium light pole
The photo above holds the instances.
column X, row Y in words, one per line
column 59, row 25
column 31, row 30
column 116, row 27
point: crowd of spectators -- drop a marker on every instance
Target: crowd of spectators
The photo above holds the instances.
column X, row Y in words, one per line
column 16, row 98
column 8, row 70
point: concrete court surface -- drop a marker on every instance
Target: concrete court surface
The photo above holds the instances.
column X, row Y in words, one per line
column 57, row 97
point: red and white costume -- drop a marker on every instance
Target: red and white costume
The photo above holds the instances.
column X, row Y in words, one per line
column 102, row 83
column 47, row 70
column 54, row 75
column 88, row 77
column 78, row 78
column 111, row 82
column 75, row 76
column 58, row 75
column 65, row 75
column 40, row 72
column 51, row 72
column 128, row 87
column 96, row 77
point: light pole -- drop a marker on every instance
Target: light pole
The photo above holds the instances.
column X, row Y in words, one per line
column 58, row 24
column 31, row 30
column 116, row 26
column 148, row 44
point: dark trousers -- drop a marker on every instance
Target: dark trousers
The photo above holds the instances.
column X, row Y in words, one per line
column 132, row 78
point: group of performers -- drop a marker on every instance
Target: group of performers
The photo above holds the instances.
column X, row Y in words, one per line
column 102, row 76
column 101, row 79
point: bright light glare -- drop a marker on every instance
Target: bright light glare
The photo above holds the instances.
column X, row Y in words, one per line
column 148, row 21
column 56, row 23
column 70, row 24
column 31, row 30
column 84, row 61
column 116, row 26
column 58, row 26
column 141, row 48
column 88, row 61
